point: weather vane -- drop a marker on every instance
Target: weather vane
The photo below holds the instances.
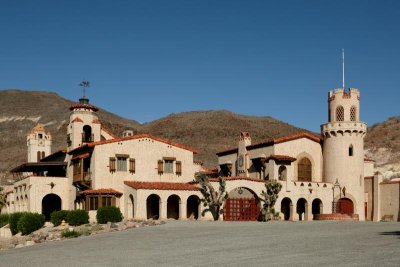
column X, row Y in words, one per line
column 85, row 85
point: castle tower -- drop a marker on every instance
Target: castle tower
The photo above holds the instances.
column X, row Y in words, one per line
column 39, row 144
column 84, row 125
column 343, row 150
column 243, row 157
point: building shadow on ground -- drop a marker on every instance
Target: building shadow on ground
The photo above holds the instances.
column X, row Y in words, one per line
column 396, row 233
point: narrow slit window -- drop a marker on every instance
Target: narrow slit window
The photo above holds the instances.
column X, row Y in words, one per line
column 351, row 151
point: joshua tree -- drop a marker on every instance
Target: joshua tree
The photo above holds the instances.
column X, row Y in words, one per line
column 212, row 199
column 269, row 198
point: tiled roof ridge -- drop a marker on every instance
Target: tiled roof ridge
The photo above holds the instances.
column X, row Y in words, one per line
column 98, row 191
column 138, row 136
column 161, row 185
column 81, row 105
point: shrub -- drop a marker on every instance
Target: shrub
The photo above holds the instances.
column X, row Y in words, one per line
column 70, row 234
column 13, row 221
column 77, row 217
column 108, row 214
column 58, row 216
column 3, row 219
column 30, row 222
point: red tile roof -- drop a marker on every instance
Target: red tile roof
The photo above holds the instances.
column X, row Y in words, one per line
column 368, row 159
column 96, row 121
column 161, row 186
column 390, row 182
column 234, row 178
column 275, row 141
column 138, row 136
column 101, row 191
column 85, row 106
column 281, row 158
column 77, row 119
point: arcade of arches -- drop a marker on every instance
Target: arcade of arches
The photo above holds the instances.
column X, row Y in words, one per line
column 302, row 209
column 174, row 207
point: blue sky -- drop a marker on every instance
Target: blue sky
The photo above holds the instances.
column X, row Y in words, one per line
column 148, row 59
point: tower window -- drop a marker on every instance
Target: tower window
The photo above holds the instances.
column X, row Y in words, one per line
column 351, row 151
column 339, row 113
column 353, row 113
column 40, row 136
column 304, row 170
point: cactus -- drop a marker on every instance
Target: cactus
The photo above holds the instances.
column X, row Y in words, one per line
column 269, row 198
column 212, row 199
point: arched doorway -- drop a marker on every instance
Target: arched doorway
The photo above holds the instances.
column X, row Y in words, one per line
column 301, row 209
column 153, row 207
column 192, row 207
column 345, row 205
column 50, row 203
column 173, row 207
column 242, row 204
column 286, row 204
column 131, row 207
column 316, row 207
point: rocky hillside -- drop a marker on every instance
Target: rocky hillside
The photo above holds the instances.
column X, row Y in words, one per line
column 382, row 144
column 207, row 131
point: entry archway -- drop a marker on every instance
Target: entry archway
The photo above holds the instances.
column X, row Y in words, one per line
column 192, row 207
column 286, row 205
column 173, row 202
column 131, row 207
column 153, row 207
column 345, row 206
column 316, row 207
column 50, row 203
column 242, row 204
column 301, row 209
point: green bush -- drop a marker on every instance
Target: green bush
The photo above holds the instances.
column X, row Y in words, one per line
column 4, row 219
column 70, row 234
column 77, row 217
column 30, row 222
column 108, row 214
column 58, row 216
column 13, row 221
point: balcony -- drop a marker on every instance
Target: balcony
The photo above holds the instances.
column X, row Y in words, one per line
column 87, row 138
column 82, row 180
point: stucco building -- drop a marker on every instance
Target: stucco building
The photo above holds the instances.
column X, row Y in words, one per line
column 323, row 177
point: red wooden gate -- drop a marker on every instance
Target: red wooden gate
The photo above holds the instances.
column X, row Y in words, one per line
column 345, row 206
column 241, row 209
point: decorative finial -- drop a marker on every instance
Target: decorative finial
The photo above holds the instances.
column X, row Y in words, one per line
column 84, row 84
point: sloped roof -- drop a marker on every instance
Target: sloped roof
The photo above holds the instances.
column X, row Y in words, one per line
column 161, row 186
column 138, row 136
column 101, row 191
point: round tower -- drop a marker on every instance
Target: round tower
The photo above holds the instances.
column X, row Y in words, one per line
column 343, row 151
column 39, row 143
column 84, row 125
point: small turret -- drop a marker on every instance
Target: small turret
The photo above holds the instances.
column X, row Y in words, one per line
column 243, row 157
column 39, row 143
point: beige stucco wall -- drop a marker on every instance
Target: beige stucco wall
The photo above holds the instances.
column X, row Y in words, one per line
column 390, row 199
column 28, row 193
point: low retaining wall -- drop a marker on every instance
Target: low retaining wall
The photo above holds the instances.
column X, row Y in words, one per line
column 336, row 217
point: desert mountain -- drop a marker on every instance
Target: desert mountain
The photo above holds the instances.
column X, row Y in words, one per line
column 382, row 144
column 207, row 131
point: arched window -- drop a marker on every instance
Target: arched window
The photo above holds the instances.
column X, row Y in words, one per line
column 304, row 170
column 351, row 151
column 339, row 113
column 282, row 173
column 38, row 156
column 43, row 155
column 87, row 134
column 353, row 113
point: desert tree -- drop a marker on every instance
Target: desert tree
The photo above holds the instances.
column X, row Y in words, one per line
column 268, row 198
column 212, row 198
